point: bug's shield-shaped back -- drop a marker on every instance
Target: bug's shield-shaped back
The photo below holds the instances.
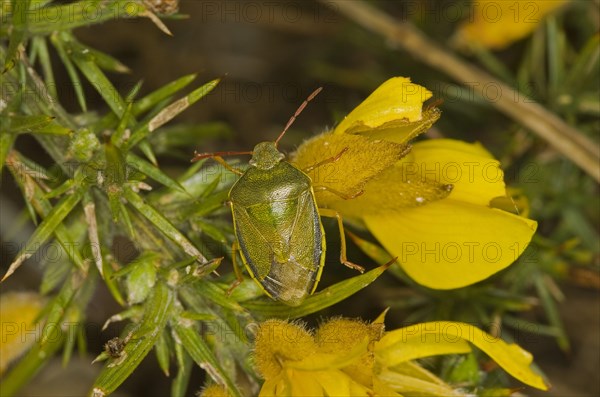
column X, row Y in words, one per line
column 280, row 235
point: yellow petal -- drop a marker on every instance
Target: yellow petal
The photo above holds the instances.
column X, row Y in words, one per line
column 334, row 383
column 290, row 382
column 475, row 175
column 511, row 357
column 400, row 130
column 410, row 344
column 391, row 191
column 358, row 389
column 414, row 370
column 362, row 159
column 449, row 244
column 18, row 314
column 326, row 361
column 409, row 385
column 382, row 389
column 270, row 387
column 307, row 384
column 381, row 318
column 394, row 100
column 313, row 383
column 433, row 170
column 496, row 24
column 515, row 202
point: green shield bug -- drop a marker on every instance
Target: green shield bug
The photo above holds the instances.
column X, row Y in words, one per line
column 277, row 222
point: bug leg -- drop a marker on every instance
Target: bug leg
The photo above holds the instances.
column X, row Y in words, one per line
column 218, row 159
column 332, row 159
column 334, row 214
column 236, row 268
column 224, row 163
column 323, row 188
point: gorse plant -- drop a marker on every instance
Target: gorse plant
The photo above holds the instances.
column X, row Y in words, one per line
column 104, row 183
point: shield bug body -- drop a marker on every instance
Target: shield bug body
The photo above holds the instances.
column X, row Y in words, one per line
column 277, row 222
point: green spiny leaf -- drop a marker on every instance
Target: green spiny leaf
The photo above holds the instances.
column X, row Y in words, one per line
column 584, row 68
column 75, row 324
column 197, row 348
column 144, row 337
column 117, row 137
column 552, row 312
column 213, row 293
column 18, row 124
column 82, row 13
column 211, row 230
column 152, row 99
column 126, row 219
column 20, row 14
column 162, row 350
column 55, row 272
column 186, row 136
column 141, row 277
column 528, row 326
column 107, row 62
column 109, row 280
column 75, row 81
column 135, row 313
column 170, row 112
column 53, row 128
column 59, row 306
column 146, row 148
column 41, row 47
column 6, row 143
column 146, row 103
column 266, row 308
column 163, row 224
column 153, row 172
column 53, row 219
column 85, row 61
column 184, row 370
column 556, row 57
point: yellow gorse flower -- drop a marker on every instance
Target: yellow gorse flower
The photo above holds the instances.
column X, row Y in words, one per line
column 214, row 390
column 18, row 315
column 429, row 204
column 351, row 357
column 293, row 363
column 497, row 24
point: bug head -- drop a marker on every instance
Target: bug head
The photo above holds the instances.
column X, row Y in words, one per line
column 266, row 155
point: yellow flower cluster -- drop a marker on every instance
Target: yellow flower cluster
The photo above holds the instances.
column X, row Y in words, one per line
column 347, row 357
column 431, row 203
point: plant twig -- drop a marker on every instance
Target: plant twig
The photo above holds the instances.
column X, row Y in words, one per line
column 564, row 138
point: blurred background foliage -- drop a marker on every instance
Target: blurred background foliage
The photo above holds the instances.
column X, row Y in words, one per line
column 270, row 56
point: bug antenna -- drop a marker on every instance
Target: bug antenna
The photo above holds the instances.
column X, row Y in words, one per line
column 298, row 111
column 200, row 156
